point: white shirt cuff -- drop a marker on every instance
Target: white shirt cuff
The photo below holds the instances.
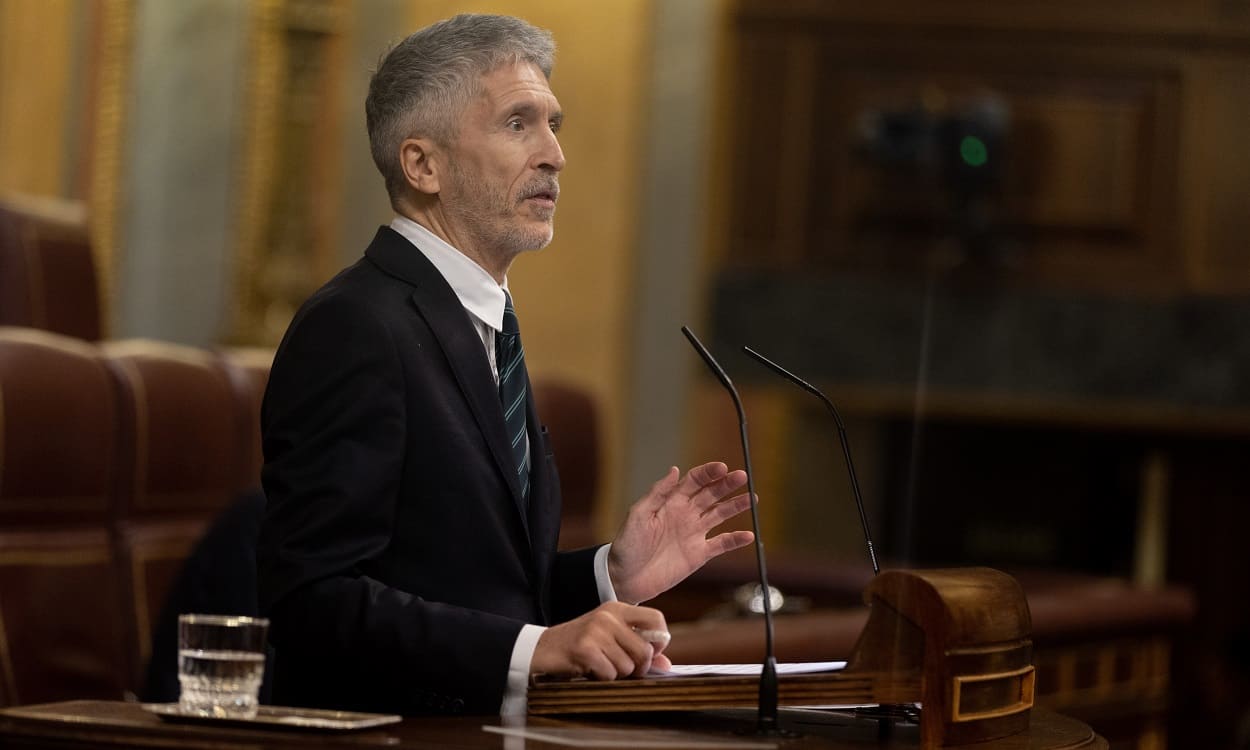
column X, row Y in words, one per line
column 606, row 592
column 517, row 688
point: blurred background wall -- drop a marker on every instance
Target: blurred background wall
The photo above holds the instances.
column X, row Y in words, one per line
column 232, row 151
column 1010, row 239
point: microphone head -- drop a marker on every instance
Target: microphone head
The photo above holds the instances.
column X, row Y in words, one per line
column 708, row 359
column 842, row 440
column 783, row 372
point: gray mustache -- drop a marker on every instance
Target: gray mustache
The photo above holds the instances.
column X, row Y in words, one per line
column 552, row 188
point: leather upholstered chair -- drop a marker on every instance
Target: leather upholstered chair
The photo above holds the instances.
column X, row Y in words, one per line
column 61, row 624
column 180, row 457
column 573, row 424
column 47, row 272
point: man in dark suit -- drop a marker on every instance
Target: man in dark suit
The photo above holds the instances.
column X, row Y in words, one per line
column 407, row 557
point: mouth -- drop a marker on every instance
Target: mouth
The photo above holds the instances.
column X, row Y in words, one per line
column 544, row 196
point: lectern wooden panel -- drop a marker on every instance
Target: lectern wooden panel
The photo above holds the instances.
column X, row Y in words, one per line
column 955, row 640
column 115, row 725
column 966, row 632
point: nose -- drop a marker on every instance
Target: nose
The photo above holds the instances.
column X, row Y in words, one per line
column 550, row 156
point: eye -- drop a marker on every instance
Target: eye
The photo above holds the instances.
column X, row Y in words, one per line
column 515, row 125
column 555, row 125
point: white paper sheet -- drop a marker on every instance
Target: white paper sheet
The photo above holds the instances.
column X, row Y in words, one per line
column 800, row 667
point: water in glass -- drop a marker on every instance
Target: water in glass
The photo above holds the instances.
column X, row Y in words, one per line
column 220, row 683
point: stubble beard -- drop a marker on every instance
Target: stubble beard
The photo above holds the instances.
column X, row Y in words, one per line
column 492, row 218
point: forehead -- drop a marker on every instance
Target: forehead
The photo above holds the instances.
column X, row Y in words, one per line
column 515, row 82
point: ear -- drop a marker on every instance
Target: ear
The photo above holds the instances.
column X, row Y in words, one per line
column 419, row 158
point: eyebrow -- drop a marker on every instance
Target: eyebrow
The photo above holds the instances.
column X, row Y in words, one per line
column 530, row 111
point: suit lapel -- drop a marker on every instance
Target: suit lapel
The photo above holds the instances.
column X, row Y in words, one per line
column 544, row 507
column 441, row 309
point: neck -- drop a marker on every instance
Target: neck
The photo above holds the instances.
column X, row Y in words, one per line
column 438, row 223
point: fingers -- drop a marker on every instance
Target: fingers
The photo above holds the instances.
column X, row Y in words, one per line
column 710, row 494
column 701, row 476
column 728, row 542
column 661, row 663
column 602, row 643
column 704, row 485
column 633, row 653
column 625, row 662
column 642, row 618
column 660, row 490
column 725, row 509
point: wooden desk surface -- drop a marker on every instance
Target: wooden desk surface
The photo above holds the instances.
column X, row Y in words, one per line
column 106, row 724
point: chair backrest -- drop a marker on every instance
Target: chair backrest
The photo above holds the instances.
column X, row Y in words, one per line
column 62, row 633
column 180, row 447
column 47, row 272
column 62, row 628
column 58, row 430
column 181, row 453
column 114, row 459
column 572, row 420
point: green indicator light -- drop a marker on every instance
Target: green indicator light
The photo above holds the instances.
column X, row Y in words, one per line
column 973, row 151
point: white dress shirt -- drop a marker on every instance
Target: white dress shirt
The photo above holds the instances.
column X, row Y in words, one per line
column 484, row 299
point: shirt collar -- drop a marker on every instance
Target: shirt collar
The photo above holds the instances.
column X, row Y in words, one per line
column 474, row 287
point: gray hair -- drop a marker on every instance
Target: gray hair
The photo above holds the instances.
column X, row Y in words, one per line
column 424, row 83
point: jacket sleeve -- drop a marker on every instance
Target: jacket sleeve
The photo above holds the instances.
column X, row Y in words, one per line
column 333, row 426
column 574, row 588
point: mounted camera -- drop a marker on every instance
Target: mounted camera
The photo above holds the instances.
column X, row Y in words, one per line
column 955, row 154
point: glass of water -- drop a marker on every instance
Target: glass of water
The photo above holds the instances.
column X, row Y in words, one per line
column 221, row 660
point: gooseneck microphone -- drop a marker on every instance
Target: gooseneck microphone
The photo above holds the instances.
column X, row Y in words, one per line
column 768, row 723
column 846, row 448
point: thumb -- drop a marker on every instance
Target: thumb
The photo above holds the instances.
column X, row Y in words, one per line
column 661, row 663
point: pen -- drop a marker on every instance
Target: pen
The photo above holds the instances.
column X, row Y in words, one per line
column 659, row 637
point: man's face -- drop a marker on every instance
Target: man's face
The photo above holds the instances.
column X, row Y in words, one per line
column 501, row 188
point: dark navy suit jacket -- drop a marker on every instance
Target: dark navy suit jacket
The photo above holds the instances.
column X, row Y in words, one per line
column 396, row 559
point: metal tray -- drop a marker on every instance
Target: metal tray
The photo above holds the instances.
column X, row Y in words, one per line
column 281, row 717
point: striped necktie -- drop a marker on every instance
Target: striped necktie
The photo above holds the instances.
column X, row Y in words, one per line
column 510, row 363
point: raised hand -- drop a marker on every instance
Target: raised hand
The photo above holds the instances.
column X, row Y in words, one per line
column 664, row 537
column 603, row 644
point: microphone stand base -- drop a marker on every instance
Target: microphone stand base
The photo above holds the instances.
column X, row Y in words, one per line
column 887, row 715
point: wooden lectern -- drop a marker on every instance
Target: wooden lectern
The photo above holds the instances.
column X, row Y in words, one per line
column 964, row 633
column 957, row 641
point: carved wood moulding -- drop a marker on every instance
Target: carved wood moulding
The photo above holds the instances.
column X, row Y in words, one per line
column 288, row 187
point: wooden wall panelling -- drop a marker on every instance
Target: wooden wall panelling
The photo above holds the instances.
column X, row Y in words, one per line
column 1219, row 120
column 1090, row 159
column 1126, row 181
column 1091, row 195
column 771, row 112
column 1210, row 18
column 1084, row 178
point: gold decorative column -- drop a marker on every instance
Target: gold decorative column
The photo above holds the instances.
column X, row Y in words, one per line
column 290, row 176
column 104, row 198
